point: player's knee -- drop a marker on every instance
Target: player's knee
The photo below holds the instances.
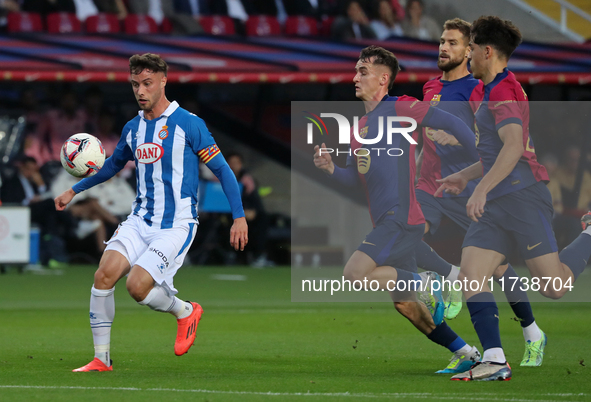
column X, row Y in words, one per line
column 500, row 271
column 136, row 290
column 351, row 275
column 103, row 279
column 551, row 293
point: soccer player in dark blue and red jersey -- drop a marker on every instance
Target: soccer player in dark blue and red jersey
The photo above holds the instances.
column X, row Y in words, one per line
column 511, row 206
column 387, row 176
column 460, row 94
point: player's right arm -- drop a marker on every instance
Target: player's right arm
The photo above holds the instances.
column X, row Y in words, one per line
column 512, row 137
column 457, row 182
column 112, row 166
column 323, row 161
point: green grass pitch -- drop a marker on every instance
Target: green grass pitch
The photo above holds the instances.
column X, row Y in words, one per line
column 254, row 344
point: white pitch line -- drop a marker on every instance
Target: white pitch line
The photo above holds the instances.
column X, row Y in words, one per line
column 439, row 396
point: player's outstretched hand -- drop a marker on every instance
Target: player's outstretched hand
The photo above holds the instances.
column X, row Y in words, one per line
column 475, row 205
column 452, row 184
column 62, row 200
column 323, row 160
column 443, row 138
column 239, row 234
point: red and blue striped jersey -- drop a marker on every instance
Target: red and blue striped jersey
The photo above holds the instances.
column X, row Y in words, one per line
column 388, row 180
column 505, row 102
column 460, row 98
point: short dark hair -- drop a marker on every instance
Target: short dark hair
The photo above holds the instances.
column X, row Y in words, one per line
column 234, row 154
column 460, row 25
column 409, row 3
column 147, row 61
column 503, row 35
column 24, row 159
column 384, row 57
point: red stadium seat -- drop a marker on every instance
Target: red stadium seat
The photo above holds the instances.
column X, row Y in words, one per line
column 24, row 22
column 300, row 25
column 326, row 25
column 102, row 23
column 217, row 25
column 139, row 24
column 166, row 26
column 262, row 25
column 63, row 23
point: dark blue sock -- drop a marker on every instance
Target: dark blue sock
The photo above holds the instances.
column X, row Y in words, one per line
column 576, row 254
column 406, row 276
column 445, row 336
column 517, row 298
column 485, row 318
column 429, row 260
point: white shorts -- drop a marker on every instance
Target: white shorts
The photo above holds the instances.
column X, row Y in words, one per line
column 159, row 251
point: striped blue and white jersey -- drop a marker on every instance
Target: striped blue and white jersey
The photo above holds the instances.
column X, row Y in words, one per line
column 166, row 151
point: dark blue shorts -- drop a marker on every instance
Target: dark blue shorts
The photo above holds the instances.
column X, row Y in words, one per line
column 522, row 220
column 435, row 208
column 393, row 244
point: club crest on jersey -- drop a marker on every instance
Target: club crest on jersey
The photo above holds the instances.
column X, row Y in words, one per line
column 163, row 133
column 148, row 153
column 363, row 132
column 363, row 162
column 436, row 99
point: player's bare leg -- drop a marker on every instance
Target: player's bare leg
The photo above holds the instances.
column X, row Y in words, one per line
column 549, row 266
column 477, row 266
column 112, row 267
column 145, row 291
column 360, row 266
column 415, row 311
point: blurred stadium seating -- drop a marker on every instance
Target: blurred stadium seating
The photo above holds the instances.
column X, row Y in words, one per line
column 241, row 84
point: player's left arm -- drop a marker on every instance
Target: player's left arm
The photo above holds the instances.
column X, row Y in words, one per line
column 208, row 152
column 505, row 105
column 221, row 170
column 461, row 132
column 430, row 116
column 512, row 137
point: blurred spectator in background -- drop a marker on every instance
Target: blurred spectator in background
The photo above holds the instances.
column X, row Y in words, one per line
column 116, row 197
column 566, row 228
column 45, row 7
column 354, row 24
column 56, row 126
column 112, row 7
column 27, row 187
column 93, row 104
column 417, row 25
column 106, row 133
column 254, row 211
column 7, row 6
column 94, row 219
column 550, row 162
column 573, row 203
column 85, row 9
column 182, row 23
column 385, row 23
column 281, row 9
column 29, row 105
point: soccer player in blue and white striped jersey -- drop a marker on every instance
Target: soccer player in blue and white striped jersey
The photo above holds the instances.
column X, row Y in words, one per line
column 166, row 143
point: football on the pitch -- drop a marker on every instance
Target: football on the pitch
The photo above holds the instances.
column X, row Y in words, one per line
column 82, row 155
